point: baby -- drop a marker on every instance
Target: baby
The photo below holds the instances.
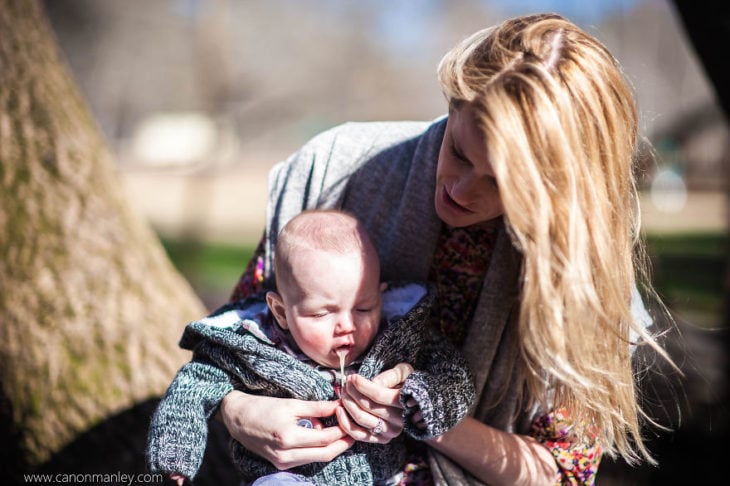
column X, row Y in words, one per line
column 329, row 291
column 331, row 317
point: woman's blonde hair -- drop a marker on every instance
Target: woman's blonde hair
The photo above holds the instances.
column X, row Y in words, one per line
column 561, row 131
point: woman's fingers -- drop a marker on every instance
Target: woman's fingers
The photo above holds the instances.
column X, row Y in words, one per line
column 284, row 459
column 366, row 411
column 372, row 419
column 371, row 410
column 313, row 411
column 394, row 377
column 372, row 395
column 379, row 433
column 373, row 413
column 268, row 427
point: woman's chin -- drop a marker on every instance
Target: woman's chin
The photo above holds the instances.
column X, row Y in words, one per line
column 453, row 217
column 451, row 213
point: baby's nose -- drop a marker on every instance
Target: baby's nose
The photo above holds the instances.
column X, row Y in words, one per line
column 345, row 323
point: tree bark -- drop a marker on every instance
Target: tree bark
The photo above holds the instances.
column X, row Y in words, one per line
column 90, row 306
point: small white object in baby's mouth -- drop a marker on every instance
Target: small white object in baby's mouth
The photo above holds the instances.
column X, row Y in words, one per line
column 342, row 353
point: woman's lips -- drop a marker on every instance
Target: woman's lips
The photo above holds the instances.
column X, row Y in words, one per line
column 450, row 202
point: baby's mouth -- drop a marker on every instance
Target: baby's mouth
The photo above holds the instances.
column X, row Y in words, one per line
column 344, row 350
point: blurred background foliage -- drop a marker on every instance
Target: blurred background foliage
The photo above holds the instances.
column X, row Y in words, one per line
column 688, row 272
column 199, row 98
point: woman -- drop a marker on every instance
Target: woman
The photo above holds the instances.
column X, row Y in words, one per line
column 521, row 207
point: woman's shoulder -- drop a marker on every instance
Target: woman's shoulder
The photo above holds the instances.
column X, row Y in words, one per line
column 393, row 127
column 332, row 156
column 366, row 135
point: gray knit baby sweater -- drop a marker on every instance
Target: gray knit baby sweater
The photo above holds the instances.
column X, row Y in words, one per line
column 233, row 349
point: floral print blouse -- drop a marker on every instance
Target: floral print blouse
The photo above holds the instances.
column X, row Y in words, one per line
column 458, row 268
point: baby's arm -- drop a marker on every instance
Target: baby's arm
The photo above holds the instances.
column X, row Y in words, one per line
column 179, row 428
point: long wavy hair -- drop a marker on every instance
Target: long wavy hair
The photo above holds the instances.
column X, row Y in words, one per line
column 561, row 132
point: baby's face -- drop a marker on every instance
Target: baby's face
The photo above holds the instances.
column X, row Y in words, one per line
column 332, row 304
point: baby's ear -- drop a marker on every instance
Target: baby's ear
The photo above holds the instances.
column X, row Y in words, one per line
column 276, row 304
column 383, row 286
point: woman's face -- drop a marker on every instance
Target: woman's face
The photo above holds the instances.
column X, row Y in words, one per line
column 466, row 190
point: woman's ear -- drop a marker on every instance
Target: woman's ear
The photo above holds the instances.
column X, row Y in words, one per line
column 276, row 304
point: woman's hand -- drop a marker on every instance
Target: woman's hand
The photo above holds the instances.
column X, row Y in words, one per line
column 372, row 411
column 268, row 427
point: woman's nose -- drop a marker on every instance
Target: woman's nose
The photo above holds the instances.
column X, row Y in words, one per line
column 463, row 189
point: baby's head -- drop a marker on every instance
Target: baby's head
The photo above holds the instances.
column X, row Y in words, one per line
column 328, row 285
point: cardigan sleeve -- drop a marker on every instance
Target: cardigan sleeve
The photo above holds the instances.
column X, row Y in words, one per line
column 442, row 388
column 179, row 429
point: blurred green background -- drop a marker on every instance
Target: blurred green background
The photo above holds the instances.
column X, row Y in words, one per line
column 689, row 274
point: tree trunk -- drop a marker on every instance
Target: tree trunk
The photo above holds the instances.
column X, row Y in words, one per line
column 90, row 306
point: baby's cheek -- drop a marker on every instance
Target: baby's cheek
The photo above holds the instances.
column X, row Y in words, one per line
column 368, row 330
column 317, row 342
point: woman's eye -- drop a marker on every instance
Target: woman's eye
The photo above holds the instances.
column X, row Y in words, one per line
column 364, row 310
column 460, row 157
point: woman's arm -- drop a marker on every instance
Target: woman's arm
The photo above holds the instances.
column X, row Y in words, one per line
column 497, row 457
column 268, row 427
column 492, row 455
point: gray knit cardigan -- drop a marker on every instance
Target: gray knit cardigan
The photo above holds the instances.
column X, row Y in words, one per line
column 234, row 348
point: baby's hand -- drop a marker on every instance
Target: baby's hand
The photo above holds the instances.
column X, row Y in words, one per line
column 417, row 418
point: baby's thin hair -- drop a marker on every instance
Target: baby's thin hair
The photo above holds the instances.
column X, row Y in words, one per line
column 330, row 230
